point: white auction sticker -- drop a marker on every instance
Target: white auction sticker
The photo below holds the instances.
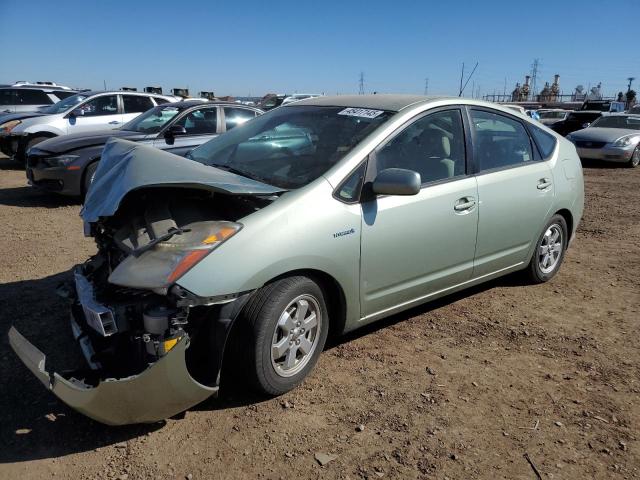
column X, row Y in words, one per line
column 361, row 112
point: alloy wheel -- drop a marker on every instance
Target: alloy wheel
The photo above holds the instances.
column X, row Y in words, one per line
column 550, row 249
column 296, row 335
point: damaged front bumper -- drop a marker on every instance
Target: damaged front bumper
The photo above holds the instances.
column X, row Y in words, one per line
column 161, row 391
column 156, row 391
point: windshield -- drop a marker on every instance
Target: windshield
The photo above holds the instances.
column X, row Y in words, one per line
column 618, row 121
column 66, row 104
column 291, row 146
column 153, row 120
column 552, row 114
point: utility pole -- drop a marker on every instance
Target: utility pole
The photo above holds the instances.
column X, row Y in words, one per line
column 461, row 78
column 426, row 86
column 473, row 89
column 534, row 75
column 361, row 84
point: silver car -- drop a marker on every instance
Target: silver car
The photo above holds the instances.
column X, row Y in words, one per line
column 318, row 217
column 82, row 112
column 613, row 138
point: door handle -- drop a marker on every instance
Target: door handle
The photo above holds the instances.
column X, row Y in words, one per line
column 464, row 204
column 114, row 123
column 544, row 183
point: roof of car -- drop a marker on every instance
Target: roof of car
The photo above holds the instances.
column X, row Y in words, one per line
column 89, row 93
column 390, row 102
column 195, row 103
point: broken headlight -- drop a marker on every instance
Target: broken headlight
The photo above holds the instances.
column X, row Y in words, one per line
column 161, row 264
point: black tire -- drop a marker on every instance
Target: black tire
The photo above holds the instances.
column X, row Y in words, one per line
column 635, row 158
column 536, row 272
column 87, row 178
column 259, row 326
column 21, row 154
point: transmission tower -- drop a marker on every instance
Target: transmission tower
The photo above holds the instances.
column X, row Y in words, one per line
column 426, row 86
column 535, row 66
column 361, row 84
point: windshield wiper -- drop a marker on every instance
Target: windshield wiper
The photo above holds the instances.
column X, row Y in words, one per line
column 242, row 173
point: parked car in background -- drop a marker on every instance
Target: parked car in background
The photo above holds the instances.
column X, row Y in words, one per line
column 299, row 96
column 552, row 115
column 613, row 138
column 603, row 105
column 392, row 202
column 576, row 120
column 271, row 101
column 82, row 112
column 516, row 108
column 635, row 109
column 67, row 164
column 29, row 98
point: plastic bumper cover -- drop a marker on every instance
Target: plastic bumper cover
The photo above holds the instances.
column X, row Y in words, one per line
column 161, row 391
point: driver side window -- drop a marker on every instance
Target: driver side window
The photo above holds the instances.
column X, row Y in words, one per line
column 432, row 146
column 105, row 105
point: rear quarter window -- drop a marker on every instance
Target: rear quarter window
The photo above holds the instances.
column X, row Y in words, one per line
column 545, row 141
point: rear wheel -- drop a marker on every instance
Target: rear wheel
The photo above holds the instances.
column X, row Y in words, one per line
column 549, row 252
column 285, row 327
column 635, row 158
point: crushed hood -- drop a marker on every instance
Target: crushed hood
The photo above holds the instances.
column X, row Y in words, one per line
column 127, row 166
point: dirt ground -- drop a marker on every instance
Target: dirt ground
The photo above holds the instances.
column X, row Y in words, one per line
column 462, row 388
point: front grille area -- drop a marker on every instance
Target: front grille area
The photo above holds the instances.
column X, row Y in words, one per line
column 589, row 144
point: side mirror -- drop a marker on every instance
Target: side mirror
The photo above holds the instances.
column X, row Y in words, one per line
column 397, row 181
column 78, row 112
column 585, row 125
column 172, row 132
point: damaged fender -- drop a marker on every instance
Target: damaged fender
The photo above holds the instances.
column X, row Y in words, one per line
column 161, row 391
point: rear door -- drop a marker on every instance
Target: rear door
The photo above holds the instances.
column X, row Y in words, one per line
column 201, row 125
column 98, row 113
column 134, row 105
column 515, row 191
column 416, row 246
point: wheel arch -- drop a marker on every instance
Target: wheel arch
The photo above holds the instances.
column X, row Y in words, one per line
column 334, row 295
column 568, row 217
column 92, row 161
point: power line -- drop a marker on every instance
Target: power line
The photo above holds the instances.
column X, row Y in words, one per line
column 469, row 78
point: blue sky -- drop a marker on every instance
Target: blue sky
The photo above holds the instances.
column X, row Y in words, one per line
column 253, row 47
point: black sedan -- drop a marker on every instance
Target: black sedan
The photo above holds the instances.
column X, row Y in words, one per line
column 67, row 164
column 575, row 121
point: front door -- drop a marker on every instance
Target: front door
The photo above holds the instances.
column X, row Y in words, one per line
column 201, row 125
column 416, row 246
column 99, row 113
column 515, row 189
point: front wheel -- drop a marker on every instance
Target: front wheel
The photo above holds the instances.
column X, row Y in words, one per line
column 285, row 325
column 635, row 158
column 550, row 250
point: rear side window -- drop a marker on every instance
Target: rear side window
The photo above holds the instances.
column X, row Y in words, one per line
column 237, row 116
column 7, row 97
column 32, row 97
column 500, row 141
column 136, row 104
column 545, row 141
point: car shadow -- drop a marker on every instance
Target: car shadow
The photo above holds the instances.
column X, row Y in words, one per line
column 601, row 164
column 35, row 424
column 7, row 164
column 31, row 417
column 33, row 198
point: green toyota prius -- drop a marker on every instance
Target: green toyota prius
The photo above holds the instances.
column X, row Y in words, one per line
column 318, row 217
